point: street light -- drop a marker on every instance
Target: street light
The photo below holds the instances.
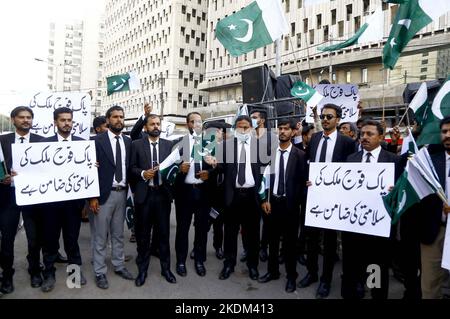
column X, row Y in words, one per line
column 56, row 69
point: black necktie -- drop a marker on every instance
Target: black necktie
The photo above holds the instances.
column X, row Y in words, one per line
column 22, row 139
column 280, row 191
column 323, row 152
column 118, row 173
column 241, row 166
column 368, row 157
column 195, row 154
column 154, row 164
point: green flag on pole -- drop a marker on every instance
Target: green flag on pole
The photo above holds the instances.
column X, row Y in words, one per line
column 122, row 82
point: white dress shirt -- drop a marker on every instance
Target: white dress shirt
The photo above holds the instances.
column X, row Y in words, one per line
column 249, row 180
column 277, row 168
column 447, row 182
column 113, row 141
column 26, row 139
column 374, row 155
column 330, row 147
column 151, row 158
column 190, row 177
column 61, row 139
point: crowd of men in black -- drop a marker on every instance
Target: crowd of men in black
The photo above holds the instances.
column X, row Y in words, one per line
column 225, row 180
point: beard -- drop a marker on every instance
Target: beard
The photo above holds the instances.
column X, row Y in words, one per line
column 154, row 133
column 116, row 129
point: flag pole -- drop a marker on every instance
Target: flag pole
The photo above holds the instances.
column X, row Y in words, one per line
column 277, row 57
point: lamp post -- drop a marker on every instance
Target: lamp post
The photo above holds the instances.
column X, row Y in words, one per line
column 56, row 70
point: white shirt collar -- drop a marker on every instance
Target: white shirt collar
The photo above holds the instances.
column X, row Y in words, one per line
column 60, row 138
column 375, row 153
column 288, row 150
column 447, row 156
column 332, row 136
column 150, row 141
column 26, row 137
column 112, row 136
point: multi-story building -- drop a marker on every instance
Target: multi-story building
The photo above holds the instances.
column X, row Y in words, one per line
column 75, row 60
column 164, row 42
column 310, row 27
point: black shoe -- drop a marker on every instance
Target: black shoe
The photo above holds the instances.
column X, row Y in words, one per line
column 101, row 281
column 169, row 276
column 243, row 256
column 301, row 260
column 181, row 270
column 7, row 286
column 191, row 255
column 48, row 284
column 323, row 291
column 290, row 285
column 263, row 254
column 36, row 280
column 125, row 274
column 200, row 269
column 226, row 272
column 219, row 253
column 140, row 279
column 60, row 259
column 307, row 280
column 253, row 273
column 268, row 277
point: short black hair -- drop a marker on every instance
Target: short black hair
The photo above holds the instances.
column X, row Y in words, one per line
column 324, row 81
column 61, row 110
column 307, row 128
column 262, row 112
column 150, row 116
column 243, row 118
column 363, row 119
column 374, row 123
column 292, row 124
column 19, row 109
column 192, row 113
column 112, row 109
column 335, row 107
column 352, row 126
column 445, row 120
column 99, row 121
column 215, row 124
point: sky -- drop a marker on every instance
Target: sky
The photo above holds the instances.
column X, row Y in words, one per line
column 24, row 34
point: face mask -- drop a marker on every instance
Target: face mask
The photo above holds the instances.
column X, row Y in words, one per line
column 254, row 123
column 241, row 136
column 154, row 133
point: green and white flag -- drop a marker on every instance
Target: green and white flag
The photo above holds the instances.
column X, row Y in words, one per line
column 3, row 172
column 169, row 168
column 129, row 210
column 420, row 103
column 412, row 16
column 371, row 31
column 265, row 184
column 257, row 25
column 123, row 82
column 409, row 144
column 303, row 91
column 410, row 188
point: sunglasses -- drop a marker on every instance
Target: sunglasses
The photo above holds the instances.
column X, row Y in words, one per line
column 327, row 116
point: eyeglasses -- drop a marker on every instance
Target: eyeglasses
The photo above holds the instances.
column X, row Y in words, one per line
column 327, row 116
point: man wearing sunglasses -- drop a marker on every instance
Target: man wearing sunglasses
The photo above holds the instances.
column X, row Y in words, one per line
column 326, row 146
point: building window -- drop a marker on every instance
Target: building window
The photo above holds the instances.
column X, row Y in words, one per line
column 357, row 23
column 185, row 82
column 184, row 104
column 181, row 53
column 286, row 44
column 424, row 62
column 366, row 4
column 311, row 36
column 288, row 4
column 348, row 77
column 422, row 70
column 364, row 75
column 180, row 97
column 341, row 28
column 299, row 4
column 319, row 21
column 423, row 77
column 292, row 29
column 183, row 9
column 349, row 10
column 333, row 17
column 299, row 40
column 180, row 74
column 305, row 25
column 325, row 33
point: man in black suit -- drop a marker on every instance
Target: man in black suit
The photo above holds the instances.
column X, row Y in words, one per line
column 282, row 206
column 361, row 250
column 433, row 222
column 326, row 146
column 62, row 216
column 192, row 197
column 152, row 198
column 242, row 172
column 113, row 154
column 22, row 119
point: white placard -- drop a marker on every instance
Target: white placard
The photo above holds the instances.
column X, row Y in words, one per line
column 54, row 172
column 344, row 95
column 43, row 105
column 348, row 197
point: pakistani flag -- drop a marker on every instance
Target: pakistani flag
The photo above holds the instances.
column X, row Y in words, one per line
column 306, row 93
column 258, row 24
column 412, row 16
column 123, row 82
column 2, row 165
column 265, row 184
column 409, row 144
column 410, row 188
column 371, row 31
column 420, row 104
column 129, row 210
column 169, row 167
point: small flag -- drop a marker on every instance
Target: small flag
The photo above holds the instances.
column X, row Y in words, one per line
column 412, row 16
column 3, row 171
column 256, row 25
column 420, row 104
column 169, row 167
column 123, row 82
column 409, row 144
column 371, row 31
column 129, row 210
column 306, row 93
column 265, row 184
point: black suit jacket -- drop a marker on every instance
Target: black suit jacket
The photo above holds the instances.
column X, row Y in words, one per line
column 296, row 176
column 107, row 165
column 344, row 147
column 136, row 132
column 54, row 138
column 430, row 207
column 141, row 160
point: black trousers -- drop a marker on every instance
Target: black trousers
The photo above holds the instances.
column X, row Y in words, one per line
column 301, row 241
column 33, row 221
column 9, row 221
column 264, row 232
column 153, row 214
column 282, row 222
column 217, row 226
column 243, row 212
column 329, row 252
column 66, row 217
column 359, row 251
column 192, row 201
